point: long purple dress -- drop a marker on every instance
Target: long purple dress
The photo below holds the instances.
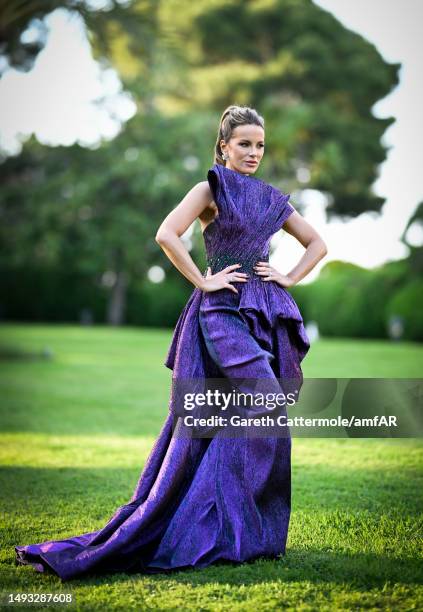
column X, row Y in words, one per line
column 202, row 500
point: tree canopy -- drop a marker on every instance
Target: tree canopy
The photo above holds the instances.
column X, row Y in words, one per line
column 313, row 80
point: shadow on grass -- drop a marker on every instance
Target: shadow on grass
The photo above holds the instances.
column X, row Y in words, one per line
column 72, row 494
column 352, row 490
column 306, row 565
column 15, row 353
column 299, row 565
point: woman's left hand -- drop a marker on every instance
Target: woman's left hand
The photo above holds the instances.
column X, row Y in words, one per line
column 268, row 273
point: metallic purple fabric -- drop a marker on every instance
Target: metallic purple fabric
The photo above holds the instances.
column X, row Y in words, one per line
column 203, row 500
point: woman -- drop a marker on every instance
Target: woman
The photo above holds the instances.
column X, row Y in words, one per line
column 205, row 499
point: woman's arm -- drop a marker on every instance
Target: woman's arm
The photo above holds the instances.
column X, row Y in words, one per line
column 176, row 223
column 315, row 247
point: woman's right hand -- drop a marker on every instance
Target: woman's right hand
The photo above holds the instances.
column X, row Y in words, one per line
column 220, row 280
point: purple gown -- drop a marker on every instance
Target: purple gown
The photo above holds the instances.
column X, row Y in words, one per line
column 205, row 500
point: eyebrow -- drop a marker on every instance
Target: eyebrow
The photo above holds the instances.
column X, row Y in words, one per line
column 247, row 140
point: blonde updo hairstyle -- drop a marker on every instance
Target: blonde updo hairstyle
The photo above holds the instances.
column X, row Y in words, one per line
column 231, row 117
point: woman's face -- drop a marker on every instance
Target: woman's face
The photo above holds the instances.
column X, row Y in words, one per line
column 245, row 145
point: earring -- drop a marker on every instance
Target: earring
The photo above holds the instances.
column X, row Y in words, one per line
column 224, row 156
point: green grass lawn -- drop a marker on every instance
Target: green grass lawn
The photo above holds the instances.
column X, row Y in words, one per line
column 76, row 429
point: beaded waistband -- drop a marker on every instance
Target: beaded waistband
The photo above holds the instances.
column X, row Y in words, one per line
column 219, row 262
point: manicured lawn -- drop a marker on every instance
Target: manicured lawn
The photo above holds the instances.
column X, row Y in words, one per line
column 76, row 429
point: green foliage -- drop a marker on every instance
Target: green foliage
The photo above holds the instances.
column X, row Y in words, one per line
column 347, row 300
column 156, row 305
column 407, row 303
column 47, row 293
column 68, row 295
column 416, row 252
column 303, row 70
column 96, row 211
column 16, row 17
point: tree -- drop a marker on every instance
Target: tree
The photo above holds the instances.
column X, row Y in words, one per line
column 98, row 211
column 313, row 80
column 416, row 251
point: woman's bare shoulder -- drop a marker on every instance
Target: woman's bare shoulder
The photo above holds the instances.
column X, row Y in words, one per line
column 203, row 188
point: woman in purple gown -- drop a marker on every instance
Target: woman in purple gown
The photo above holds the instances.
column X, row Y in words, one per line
column 201, row 499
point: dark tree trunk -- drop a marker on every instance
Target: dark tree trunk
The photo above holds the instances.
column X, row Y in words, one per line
column 117, row 300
